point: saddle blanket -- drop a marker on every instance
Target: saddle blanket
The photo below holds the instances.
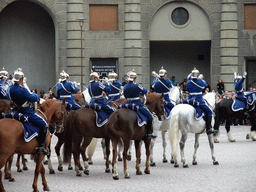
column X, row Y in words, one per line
column 237, row 105
column 251, row 97
column 167, row 112
column 30, row 130
column 101, row 116
column 199, row 113
column 142, row 120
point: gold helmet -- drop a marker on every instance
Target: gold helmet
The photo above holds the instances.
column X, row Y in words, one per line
column 18, row 74
column 162, row 72
column 4, row 73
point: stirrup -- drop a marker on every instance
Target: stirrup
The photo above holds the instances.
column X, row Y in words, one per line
column 211, row 131
column 151, row 135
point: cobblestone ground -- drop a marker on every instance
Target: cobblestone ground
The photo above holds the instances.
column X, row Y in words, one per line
column 235, row 173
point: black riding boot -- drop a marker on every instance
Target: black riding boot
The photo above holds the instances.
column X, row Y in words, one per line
column 209, row 129
column 149, row 131
column 41, row 141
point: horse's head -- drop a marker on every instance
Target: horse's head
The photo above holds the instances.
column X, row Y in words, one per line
column 54, row 112
column 5, row 106
column 155, row 103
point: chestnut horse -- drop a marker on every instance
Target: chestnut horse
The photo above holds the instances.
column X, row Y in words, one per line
column 123, row 125
column 12, row 139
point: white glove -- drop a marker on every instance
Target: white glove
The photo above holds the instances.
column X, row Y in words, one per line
column 235, row 74
column 245, row 73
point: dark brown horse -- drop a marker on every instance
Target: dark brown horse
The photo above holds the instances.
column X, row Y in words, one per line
column 12, row 139
column 123, row 123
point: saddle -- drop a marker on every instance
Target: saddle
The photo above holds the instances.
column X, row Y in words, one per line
column 199, row 113
column 101, row 116
column 30, row 131
column 142, row 120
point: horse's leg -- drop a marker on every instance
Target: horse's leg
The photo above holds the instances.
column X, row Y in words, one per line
column 91, row 149
column 217, row 122
column 51, row 170
column 86, row 142
column 18, row 163
column 120, row 149
column 126, row 147
column 23, row 159
column 57, row 149
column 138, row 155
column 1, row 183
column 194, row 162
column 227, row 126
column 211, row 143
column 182, row 146
column 152, row 163
column 129, row 153
column 107, row 142
column 103, row 145
column 252, row 134
column 147, row 145
column 114, row 162
column 7, row 169
column 164, row 146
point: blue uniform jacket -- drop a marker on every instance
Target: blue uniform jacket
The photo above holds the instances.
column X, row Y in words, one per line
column 20, row 97
column 66, row 89
column 3, row 90
column 115, row 89
column 163, row 86
column 239, row 89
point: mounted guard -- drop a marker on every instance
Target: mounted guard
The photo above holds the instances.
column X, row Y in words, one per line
column 20, row 96
column 66, row 89
column 4, row 85
column 195, row 86
column 115, row 87
column 163, row 85
column 132, row 91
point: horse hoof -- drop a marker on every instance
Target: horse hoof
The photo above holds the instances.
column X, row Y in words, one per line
column 79, row 174
column 11, row 179
column 90, row 162
column 86, row 172
column 138, row 173
column 70, row 168
column 153, row 164
column 46, row 162
column 107, row 170
column 120, row 159
column 47, row 189
column 52, row 172
column 147, row 171
column 116, row 177
column 172, row 161
column 25, row 168
column 215, row 163
column 60, row 168
column 127, row 177
column 248, row 136
column 176, row 165
column 165, row 160
column 185, row 166
column 19, row 170
column 81, row 168
column 194, row 163
column 232, row 140
column 129, row 157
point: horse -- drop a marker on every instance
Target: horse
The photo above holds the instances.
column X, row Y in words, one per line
column 12, row 139
column 223, row 111
column 183, row 120
column 123, row 126
column 163, row 126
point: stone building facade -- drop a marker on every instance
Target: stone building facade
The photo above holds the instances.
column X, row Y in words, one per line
column 45, row 37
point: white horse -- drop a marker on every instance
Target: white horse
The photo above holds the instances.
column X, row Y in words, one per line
column 163, row 126
column 183, row 120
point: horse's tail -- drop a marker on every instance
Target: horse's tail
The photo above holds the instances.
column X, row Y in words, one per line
column 68, row 136
column 174, row 133
column 91, row 147
column 113, row 122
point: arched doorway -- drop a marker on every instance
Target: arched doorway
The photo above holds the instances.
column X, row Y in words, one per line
column 27, row 40
column 180, row 39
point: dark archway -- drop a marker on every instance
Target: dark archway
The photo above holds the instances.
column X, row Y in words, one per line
column 27, row 40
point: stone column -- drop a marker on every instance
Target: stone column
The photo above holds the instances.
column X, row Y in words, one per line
column 132, row 39
column 75, row 11
column 229, row 43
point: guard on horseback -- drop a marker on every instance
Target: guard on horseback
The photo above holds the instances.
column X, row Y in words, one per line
column 238, row 83
column 20, row 96
column 96, row 89
column 4, row 85
column 195, row 86
column 163, row 85
column 115, row 87
column 132, row 91
column 66, row 89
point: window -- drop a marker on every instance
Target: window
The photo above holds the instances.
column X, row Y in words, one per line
column 104, row 66
column 180, row 16
column 103, row 17
column 250, row 16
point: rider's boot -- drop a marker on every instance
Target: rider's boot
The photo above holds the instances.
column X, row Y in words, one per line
column 41, row 141
column 149, row 127
column 209, row 129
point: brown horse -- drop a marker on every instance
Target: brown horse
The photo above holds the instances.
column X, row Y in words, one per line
column 123, row 123
column 12, row 139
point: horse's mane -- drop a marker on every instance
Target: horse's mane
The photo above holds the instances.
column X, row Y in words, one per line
column 47, row 104
column 5, row 105
column 152, row 96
